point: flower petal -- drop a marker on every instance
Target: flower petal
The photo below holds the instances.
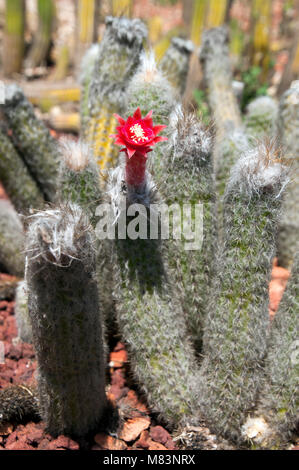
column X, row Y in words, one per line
column 157, row 129
column 137, row 114
column 120, row 119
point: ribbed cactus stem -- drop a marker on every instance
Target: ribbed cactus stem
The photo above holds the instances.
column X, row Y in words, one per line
column 236, row 328
column 188, row 179
column 66, row 319
column 175, row 63
column 86, row 67
column 11, row 239
column 214, row 56
column 149, row 313
column 277, row 414
column 261, row 117
column 117, row 61
column 33, row 140
column 16, row 179
column 22, row 313
column 13, row 47
column 288, row 122
column 135, row 169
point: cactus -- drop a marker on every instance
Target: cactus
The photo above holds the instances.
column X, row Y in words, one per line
column 11, row 239
column 17, row 403
column 288, row 233
column 65, row 315
column 188, row 178
column 22, row 313
column 262, row 16
column 175, row 63
column 42, row 40
column 32, row 139
column 149, row 90
column 148, row 310
column 87, row 16
column 234, row 341
column 16, row 179
column 261, row 116
column 277, row 412
column 118, row 59
column 87, row 65
column 214, row 57
column 13, row 48
column 198, row 20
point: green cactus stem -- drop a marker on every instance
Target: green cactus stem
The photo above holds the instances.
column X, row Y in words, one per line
column 32, row 139
column 261, row 117
column 11, row 239
column 188, row 179
column 65, row 315
column 288, row 232
column 16, row 179
column 277, row 413
column 175, row 63
column 13, row 47
column 149, row 314
column 235, row 336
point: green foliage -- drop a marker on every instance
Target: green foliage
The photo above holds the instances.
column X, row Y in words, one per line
column 201, row 100
column 253, row 86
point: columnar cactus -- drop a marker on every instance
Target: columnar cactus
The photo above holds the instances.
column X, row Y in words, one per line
column 117, row 61
column 188, row 179
column 22, row 313
column 277, row 413
column 149, row 313
column 148, row 90
column 33, row 140
column 234, row 342
column 288, row 234
column 86, row 71
column 65, row 315
column 175, row 63
column 16, row 179
column 261, row 116
column 214, row 57
column 11, row 239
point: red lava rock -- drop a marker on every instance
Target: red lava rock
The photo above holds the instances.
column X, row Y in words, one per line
column 44, row 444
column 118, row 378
column 159, row 434
column 28, row 351
column 6, row 429
column 109, row 442
column 156, row 446
column 118, row 393
column 133, row 401
column 34, row 433
column 133, row 427
column 118, row 358
column 170, row 444
column 62, row 443
column 275, row 293
column 19, row 445
column 15, row 351
column 119, row 346
column 144, row 440
column 280, row 273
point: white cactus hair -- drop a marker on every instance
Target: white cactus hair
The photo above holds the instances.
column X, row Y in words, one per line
column 76, row 155
column 256, row 429
column 187, row 125
column 56, row 235
column 259, row 168
column 88, row 61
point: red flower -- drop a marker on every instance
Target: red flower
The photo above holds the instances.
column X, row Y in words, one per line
column 137, row 134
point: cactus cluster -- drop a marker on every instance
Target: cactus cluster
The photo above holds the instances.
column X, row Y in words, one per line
column 195, row 321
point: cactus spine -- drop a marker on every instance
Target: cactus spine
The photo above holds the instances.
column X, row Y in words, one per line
column 288, row 233
column 175, row 63
column 16, row 179
column 261, row 117
column 277, row 413
column 32, row 139
column 118, row 58
column 234, row 342
column 11, row 239
column 17, row 403
column 188, row 176
column 65, row 315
